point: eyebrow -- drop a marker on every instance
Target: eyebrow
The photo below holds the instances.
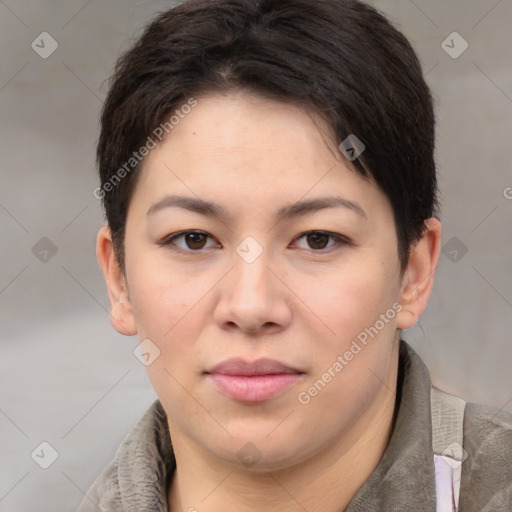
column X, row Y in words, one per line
column 210, row 209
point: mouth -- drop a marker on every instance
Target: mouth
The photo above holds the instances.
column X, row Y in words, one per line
column 254, row 382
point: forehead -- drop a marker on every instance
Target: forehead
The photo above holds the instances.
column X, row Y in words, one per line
column 246, row 148
column 251, row 129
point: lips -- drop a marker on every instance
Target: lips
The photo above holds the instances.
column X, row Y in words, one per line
column 254, row 382
column 259, row 367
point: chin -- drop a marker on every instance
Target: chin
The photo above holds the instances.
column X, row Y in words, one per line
column 259, row 454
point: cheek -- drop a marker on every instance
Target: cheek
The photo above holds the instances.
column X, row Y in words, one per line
column 167, row 307
column 347, row 303
column 333, row 405
column 353, row 362
column 170, row 308
column 354, row 359
column 162, row 299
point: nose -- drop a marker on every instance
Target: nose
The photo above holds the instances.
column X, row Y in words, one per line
column 253, row 298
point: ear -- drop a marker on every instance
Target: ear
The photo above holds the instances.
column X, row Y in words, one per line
column 418, row 278
column 121, row 313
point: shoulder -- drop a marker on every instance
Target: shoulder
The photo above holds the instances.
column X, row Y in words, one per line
column 486, row 483
column 135, row 478
column 104, row 491
column 488, row 436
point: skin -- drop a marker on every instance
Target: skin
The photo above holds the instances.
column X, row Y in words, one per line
column 302, row 302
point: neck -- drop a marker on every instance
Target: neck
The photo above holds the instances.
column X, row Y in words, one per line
column 323, row 483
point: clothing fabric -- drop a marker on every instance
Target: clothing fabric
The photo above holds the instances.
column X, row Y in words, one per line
column 447, row 439
column 404, row 480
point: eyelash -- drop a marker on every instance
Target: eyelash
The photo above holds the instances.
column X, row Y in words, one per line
column 169, row 240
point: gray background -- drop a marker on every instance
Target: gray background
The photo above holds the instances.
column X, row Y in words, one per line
column 66, row 377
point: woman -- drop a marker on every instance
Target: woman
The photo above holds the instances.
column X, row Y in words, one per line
column 270, row 189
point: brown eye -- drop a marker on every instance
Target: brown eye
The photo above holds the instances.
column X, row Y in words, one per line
column 195, row 240
column 321, row 241
column 318, row 240
column 188, row 241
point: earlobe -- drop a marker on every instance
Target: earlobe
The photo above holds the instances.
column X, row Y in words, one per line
column 418, row 278
column 121, row 313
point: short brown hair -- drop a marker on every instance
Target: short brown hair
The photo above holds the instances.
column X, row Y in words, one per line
column 340, row 57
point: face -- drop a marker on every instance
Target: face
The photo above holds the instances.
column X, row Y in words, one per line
column 266, row 273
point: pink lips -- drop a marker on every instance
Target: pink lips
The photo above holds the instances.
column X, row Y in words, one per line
column 254, row 382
